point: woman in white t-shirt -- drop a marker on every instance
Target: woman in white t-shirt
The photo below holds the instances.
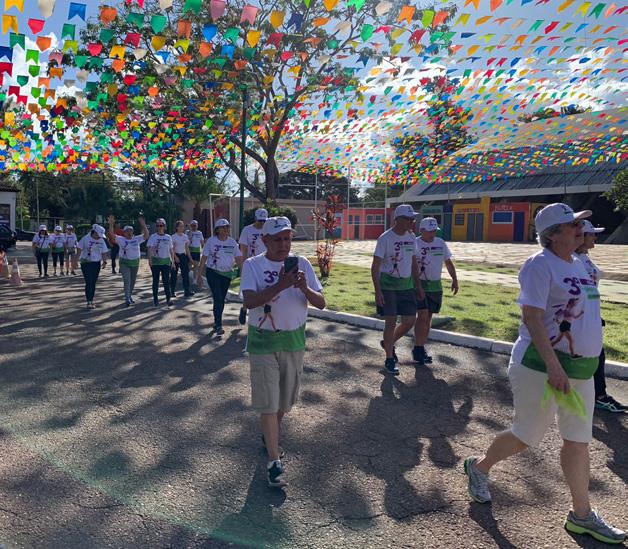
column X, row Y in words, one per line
column 41, row 249
column 554, row 381
column 70, row 250
column 182, row 260
column 93, row 250
column 220, row 255
column 161, row 259
column 129, row 253
column 603, row 400
column 57, row 240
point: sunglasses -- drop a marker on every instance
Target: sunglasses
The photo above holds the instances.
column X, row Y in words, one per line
column 577, row 223
column 160, row 225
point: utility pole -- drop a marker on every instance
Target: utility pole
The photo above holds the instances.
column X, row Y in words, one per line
column 245, row 102
column 315, row 205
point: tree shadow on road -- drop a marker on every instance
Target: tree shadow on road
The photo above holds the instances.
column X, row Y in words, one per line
column 614, row 435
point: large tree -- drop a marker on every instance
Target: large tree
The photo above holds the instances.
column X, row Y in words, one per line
column 173, row 92
column 316, row 182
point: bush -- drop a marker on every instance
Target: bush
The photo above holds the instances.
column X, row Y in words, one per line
column 273, row 211
column 618, row 194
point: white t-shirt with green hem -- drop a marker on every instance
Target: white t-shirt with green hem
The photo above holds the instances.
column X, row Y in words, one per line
column 42, row 243
column 251, row 237
column 70, row 242
column 430, row 258
column 196, row 240
column 57, row 242
column 161, row 245
column 280, row 324
column 396, row 253
column 130, row 252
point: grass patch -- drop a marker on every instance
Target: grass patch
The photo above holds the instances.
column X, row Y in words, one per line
column 483, row 267
column 485, row 310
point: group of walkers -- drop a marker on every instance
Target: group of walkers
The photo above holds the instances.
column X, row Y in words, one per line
column 61, row 245
column 556, row 367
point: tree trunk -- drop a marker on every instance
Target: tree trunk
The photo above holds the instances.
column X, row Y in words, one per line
column 196, row 213
column 272, row 178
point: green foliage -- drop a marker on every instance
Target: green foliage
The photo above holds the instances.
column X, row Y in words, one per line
column 618, row 194
column 274, row 210
column 374, row 197
column 300, row 185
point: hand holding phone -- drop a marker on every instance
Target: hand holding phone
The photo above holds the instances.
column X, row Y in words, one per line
column 290, row 263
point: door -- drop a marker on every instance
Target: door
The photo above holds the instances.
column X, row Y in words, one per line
column 479, row 227
column 470, row 227
column 518, row 233
column 356, row 227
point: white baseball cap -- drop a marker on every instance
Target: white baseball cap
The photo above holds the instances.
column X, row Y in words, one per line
column 274, row 225
column 555, row 214
column 404, row 210
column 43, row 228
column 261, row 214
column 58, row 228
column 98, row 228
column 68, row 226
column 428, row 224
column 221, row 223
column 193, row 222
column 589, row 228
column 128, row 228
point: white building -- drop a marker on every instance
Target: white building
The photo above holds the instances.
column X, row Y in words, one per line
column 8, row 201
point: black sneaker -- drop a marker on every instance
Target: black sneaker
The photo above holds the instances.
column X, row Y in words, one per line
column 420, row 356
column 276, row 475
column 395, row 357
column 156, row 302
column 242, row 316
column 127, row 302
column 609, row 404
column 391, row 367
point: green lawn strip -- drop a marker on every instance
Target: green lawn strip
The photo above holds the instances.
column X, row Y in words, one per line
column 486, row 268
column 486, row 310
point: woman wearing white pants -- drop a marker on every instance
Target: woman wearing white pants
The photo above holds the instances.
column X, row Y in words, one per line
column 552, row 365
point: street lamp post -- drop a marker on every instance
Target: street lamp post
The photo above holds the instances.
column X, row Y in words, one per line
column 245, row 102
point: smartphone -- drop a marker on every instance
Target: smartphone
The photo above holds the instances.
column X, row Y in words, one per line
column 290, row 263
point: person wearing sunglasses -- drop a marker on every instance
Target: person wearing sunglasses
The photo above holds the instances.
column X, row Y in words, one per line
column 129, row 254
column 161, row 259
column 41, row 249
column 554, row 380
column 93, row 252
column 70, row 250
column 603, row 401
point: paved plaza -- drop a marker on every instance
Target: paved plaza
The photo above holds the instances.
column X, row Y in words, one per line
column 131, row 428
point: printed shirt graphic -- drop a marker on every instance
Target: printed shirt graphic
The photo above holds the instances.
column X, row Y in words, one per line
column 130, row 247
column 396, row 253
column 430, row 257
column 221, row 254
column 179, row 241
column 70, row 241
column 196, row 238
column 252, row 238
column 571, row 301
column 288, row 310
column 161, row 244
column 92, row 249
column 42, row 242
column 594, row 272
column 57, row 242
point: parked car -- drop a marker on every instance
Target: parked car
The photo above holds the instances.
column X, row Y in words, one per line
column 8, row 237
column 26, row 236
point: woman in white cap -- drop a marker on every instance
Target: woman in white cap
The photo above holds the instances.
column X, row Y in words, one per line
column 197, row 241
column 41, row 249
column 57, row 242
column 220, row 257
column 70, row 250
column 547, row 381
column 129, row 253
column 182, row 260
column 161, row 259
column 251, row 244
column 603, row 401
column 93, row 251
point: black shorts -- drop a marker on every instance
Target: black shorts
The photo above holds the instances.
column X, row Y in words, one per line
column 432, row 301
column 564, row 326
column 196, row 256
column 398, row 302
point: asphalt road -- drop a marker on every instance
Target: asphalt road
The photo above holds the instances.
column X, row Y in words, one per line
column 131, row 428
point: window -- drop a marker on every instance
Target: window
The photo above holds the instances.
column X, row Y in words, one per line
column 350, row 220
column 379, row 219
column 459, row 219
column 502, row 218
column 369, row 220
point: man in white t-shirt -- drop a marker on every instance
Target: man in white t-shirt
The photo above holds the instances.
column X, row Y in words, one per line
column 431, row 253
column 395, row 276
column 251, row 244
column 278, row 301
column 197, row 241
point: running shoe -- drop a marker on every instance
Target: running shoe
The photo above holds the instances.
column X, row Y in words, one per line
column 46, row 275
column 61, row 273
column 420, row 356
column 219, row 331
column 131, row 300
column 282, row 454
column 609, row 404
column 594, row 525
column 127, row 302
column 74, row 273
column 395, row 357
column 242, row 316
column 276, row 475
column 156, row 302
column 478, row 481
column 391, row 367
column 169, row 303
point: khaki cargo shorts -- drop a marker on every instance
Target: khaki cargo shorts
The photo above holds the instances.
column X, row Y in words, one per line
column 275, row 380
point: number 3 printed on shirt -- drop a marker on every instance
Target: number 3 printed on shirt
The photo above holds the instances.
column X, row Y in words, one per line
column 575, row 287
column 270, row 276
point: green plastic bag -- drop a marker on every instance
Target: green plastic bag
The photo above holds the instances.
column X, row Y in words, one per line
column 571, row 401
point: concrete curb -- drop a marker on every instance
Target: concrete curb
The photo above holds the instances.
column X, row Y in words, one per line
column 613, row 369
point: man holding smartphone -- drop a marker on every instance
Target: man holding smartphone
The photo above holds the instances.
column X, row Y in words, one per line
column 277, row 289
